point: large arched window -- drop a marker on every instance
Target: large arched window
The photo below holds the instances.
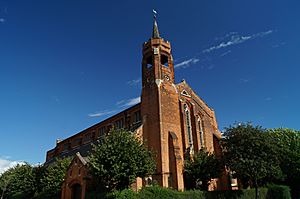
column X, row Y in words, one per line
column 188, row 125
column 200, row 127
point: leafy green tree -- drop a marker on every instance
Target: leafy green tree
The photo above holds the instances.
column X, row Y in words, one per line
column 288, row 143
column 52, row 177
column 251, row 154
column 5, row 179
column 39, row 173
column 119, row 160
column 202, row 168
column 18, row 182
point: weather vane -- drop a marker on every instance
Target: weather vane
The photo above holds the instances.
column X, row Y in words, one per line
column 154, row 13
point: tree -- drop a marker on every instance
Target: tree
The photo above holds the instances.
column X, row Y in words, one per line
column 18, row 182
column 120, row 159
column 251, row 154
column 288, row 143
column 5, row 179
column 53, row 176
column 202, row 168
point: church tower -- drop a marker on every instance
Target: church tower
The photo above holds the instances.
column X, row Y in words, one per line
column 160, row 111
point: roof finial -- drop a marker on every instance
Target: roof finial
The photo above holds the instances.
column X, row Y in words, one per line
column 155, row 33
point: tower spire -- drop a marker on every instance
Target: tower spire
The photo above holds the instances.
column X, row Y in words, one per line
column 155, row 33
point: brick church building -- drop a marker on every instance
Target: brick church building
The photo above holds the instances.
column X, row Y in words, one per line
column 171, row 117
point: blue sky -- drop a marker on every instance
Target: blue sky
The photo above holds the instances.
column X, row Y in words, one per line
column 65, row 65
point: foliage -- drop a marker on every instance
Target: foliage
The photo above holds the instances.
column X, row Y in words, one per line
column 278, row 192
column 124, row 194
column 157, row 192
column 53, row 177
column 251, row 154
column 5, row 179
column 18, row 182
column 119, row 160
column 288, row 143
column 236, row 194
column 203, row 167
column 39, row 172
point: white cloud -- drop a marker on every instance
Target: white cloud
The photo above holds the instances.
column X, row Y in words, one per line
column 2, row 20
column 102, row 113
column 186, row 63
column 6, row 164
column 120, row 104
column 244, row 80
column 237, row 39
column 129, row 102
column 134, row 82
column 225, row 53
column 226, row 36
column 268, row 98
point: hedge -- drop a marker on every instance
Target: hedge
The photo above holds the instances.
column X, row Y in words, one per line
column 156, row 192
column 278, row 192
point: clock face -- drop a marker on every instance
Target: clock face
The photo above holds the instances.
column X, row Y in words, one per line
column 155, row 51
column 167, row 78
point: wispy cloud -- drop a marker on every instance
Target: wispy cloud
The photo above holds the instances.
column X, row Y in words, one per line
column 129, row 102
column 120, row 104
column 236, row 39
column 134, row 82
column 268, row 98
column 56, row 99
column 2, row 20
column 186, row 63
column 244, row 80
column 225, row 53
column 278, row 45
column 6, row 164
column 225, row 36
column 102, row 113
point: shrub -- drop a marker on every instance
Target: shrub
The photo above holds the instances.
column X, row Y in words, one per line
column 124, row 194
column 191, row 194
column 157, row 192
column 278, row 192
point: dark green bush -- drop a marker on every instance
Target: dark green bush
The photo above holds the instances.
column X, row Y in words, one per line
column 236, row 194
column 157, row 192
column 278, row 192
column 95, row 195
column 191, row 194
column 124, row 194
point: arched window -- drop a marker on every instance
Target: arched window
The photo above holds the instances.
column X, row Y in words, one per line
column 149, row 62
column 164, row 60
column 188, row 125
column 200, row 127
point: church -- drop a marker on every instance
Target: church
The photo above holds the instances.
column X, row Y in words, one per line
column 172, row 119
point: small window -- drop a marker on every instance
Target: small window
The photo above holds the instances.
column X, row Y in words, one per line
column 93, row 136
column 119, row 124
column 164, row 60
column 149, row 62
column 67, row 146
column 87, row 138
column 78, row 141
column 137, row 116
column 102, row 132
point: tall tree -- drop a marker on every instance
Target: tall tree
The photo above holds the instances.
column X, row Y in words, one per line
column 120, row 159
column 288, row 143
column 251, row 154
column 18, row 182
column 53, row 176
column 5, row 179
column 202, row 168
